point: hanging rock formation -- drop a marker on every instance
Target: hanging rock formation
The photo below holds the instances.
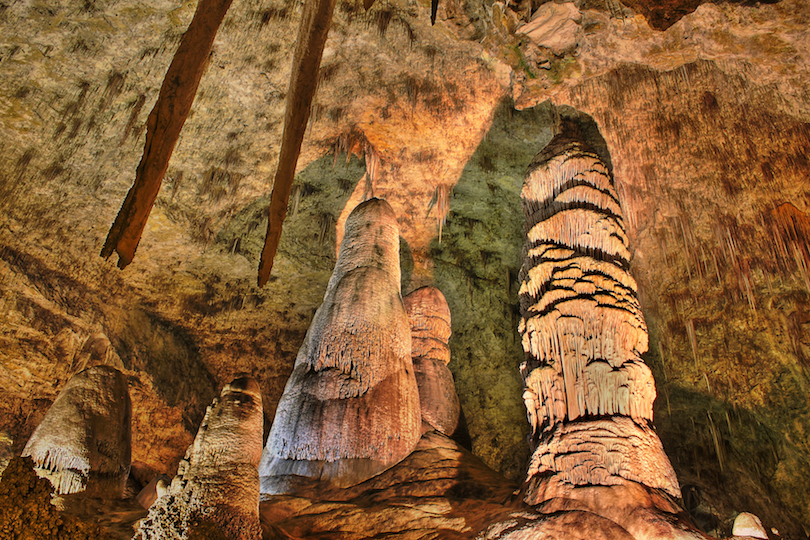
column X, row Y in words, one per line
column 350, row 409
column 83, row 443
column 430, row 329
column 217, row 483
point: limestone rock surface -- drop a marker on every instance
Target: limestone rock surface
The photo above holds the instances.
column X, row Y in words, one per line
column 84, row 442
column 430, row 321
column 217, row 483
column 351, row 408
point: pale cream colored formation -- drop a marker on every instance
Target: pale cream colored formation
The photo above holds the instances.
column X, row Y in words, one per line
column 83, row 443
column 217, row 482
column 583, row 332
column 429, row 315
column 350, row 409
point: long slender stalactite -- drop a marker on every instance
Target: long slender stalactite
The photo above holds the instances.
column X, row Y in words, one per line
column 163, row 128
column 315, row 22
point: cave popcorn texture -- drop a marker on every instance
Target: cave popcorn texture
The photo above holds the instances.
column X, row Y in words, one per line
column 217, row 482
column 588, row 393
column 350, row 409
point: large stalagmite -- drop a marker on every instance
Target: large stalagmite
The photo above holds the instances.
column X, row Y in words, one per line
column 588, row 393
column 217, row 483
column 351, row 406
column 83, row 443
column 429, row 316
column 597, row 462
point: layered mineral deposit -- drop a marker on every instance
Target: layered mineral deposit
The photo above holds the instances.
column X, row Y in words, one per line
column 429, row 316
column 588, row 393
column 217, row 483
column 350, row 409
column 83, row 443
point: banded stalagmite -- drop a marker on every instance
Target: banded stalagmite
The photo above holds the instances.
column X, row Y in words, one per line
column 83, row 443
column 217, row 482
column 429, row 316
column 588, row 393
column 350, row 408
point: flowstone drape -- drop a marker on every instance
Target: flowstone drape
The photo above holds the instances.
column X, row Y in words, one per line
column 588, row 393
column 217, row 483
column 84, row 442
column 350, row 409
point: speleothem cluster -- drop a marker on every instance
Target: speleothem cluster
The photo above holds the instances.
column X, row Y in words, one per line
column 350, row 409
column 372, row 377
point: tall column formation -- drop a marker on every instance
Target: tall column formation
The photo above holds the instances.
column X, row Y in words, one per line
column 588, row 393
column 350, row 409
column 429, row 316
column 84, row 442
column 217, row 482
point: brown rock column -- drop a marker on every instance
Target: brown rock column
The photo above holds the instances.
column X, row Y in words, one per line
column 588, row 393
column 83, row 443
column 217, row 483
column 429, row 316
column 350, row 409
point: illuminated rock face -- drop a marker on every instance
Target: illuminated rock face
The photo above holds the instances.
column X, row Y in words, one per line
column 588, row 393
column 217, row 482
column 350, row 408
column 429, row 316
column 83, row 443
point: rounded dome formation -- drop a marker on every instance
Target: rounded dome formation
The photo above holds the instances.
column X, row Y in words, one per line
column 84, row 442
column 429, row 316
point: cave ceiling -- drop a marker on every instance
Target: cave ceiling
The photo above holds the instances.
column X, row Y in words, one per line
column 701, row 109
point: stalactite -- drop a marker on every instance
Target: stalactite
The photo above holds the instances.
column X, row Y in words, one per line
column 315, row 22
column 583, row 331
column 429, row 316
column 351, row 406
column 217, row 482
column 83, row 443
column 163, row 128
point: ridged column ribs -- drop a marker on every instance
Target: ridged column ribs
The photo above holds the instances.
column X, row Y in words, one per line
column 588, row 393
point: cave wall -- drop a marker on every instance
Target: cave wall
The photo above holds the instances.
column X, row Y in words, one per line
column 705, row 124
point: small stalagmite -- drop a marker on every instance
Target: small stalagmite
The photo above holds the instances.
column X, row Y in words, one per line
column 83, row 443
column 217, row 482
column 429, row 316
column 588, row 393
column 350, row 409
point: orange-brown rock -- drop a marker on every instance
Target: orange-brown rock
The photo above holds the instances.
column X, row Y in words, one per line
column 429, row 316
column 588, row 393
column 217, row 483
column 350, row 409
column 83, row 443
column 582, row 323
column 439, row 491
column 163, row 128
